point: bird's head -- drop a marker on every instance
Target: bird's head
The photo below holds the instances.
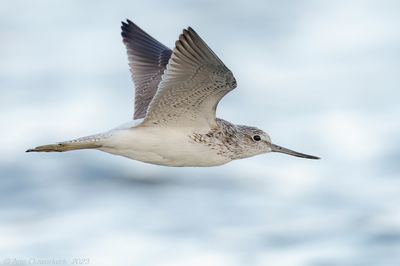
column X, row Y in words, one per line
column 259, row 142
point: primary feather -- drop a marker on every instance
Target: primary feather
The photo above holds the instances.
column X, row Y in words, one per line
column 148, row 59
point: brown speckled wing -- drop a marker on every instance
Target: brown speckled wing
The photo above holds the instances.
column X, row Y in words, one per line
column 192, row 85
column 148, row 59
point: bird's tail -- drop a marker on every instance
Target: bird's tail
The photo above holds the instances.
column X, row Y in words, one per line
column 90, row 142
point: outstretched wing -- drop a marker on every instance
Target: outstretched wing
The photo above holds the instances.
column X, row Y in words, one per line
column 148, row 59
column 192, row 85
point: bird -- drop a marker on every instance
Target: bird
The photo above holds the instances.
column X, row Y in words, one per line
column 176, row 96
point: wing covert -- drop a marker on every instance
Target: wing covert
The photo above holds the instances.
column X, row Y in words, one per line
column 192, row 85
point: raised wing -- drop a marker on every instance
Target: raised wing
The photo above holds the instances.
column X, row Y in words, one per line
column 192, row 85
column 148, row 59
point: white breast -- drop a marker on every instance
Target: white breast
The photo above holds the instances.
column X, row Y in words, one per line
column 163, row 146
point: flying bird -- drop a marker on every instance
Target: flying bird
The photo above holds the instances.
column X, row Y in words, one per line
column 176, row 97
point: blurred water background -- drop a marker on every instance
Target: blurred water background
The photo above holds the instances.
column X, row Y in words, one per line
column 322, row 77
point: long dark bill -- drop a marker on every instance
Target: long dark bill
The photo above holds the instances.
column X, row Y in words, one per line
column 276, row 148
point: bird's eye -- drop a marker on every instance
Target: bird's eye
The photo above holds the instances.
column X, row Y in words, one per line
column 256, row 137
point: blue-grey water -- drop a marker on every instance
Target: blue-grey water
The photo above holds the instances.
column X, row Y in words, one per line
column 321, row 77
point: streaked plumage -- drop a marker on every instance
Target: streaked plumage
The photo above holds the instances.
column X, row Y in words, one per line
column 177, row 93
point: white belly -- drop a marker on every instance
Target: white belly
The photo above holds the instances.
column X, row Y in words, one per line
column 162, row 146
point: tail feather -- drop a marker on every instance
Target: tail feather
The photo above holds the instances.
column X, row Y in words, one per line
column 90, row 142
column 60, row 147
